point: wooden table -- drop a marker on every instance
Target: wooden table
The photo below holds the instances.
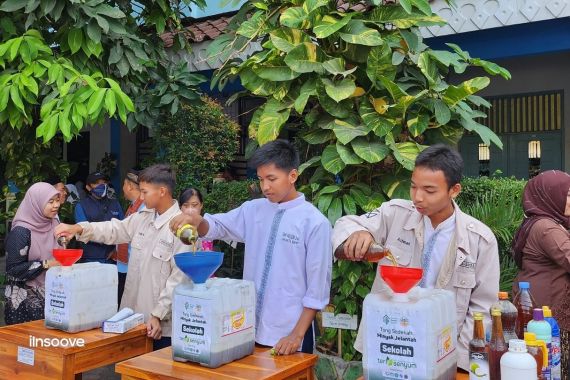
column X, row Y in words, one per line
column 64, row 363
column 259, row 366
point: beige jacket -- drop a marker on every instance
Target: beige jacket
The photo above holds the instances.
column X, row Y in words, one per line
column 152, row 273
column 470, row 268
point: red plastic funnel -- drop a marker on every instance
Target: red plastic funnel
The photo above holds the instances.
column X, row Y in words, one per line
column 400, row 279
column 67, row 257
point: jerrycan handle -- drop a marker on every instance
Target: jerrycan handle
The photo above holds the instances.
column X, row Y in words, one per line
column 542, row 344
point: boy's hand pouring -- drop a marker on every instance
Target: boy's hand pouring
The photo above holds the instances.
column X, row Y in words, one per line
column 67, row 230
column 192, row 217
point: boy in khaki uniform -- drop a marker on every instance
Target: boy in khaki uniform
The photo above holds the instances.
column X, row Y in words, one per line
column 152, row 273
column 456, row 251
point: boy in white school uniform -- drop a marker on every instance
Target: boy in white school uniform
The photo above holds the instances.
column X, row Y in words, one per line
column 288, row 252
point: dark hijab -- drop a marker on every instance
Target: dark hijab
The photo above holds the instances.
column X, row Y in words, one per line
column 544, row 197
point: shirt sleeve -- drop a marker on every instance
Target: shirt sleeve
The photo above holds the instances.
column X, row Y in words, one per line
column 163, row 308
column 114, row 231
column 555, row 242
column 17, row 248
column 227, row 226
column 318, row 267
column 373, row 222
column 79, row 214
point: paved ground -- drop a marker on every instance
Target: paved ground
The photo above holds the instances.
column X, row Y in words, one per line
column 104, row 373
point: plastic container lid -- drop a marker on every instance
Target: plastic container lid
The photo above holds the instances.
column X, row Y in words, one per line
column 537, row 315
column 547, row 312
column 524, row 285
column 529, row 338
column 503, row 295
column 517, row 345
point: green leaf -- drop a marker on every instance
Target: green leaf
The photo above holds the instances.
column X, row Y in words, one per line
column 403, row 20
column 103, row 23
column 448, row 58
column 428, row 68
column 285, row 39
column 275, row 71
column 312, row 5
column 16, row 99
column 335, row 210
column 252, row 27
column 115, row 54
column 339, row 110
column 306, row 58
column 331, row 189
column 329, row 25
column 96, row 101
column 483, row 131
column 30, row 83
column 455, row 94
column 324, row 202
column 4, row 97
column 491, row 68
column 308, row 89
column 346, row 132
column 110, row 103
column 347, row 155
column 304, row 166
column 107, row 10
column 355, row 32
column 336, row 66
column 381, row 125
column 371, row 151
column 406, row 153
column 257, row 85
column 362, row 291
column 318, row 136
column 418, row 125
column 93, row 31
column 295, row 17
column 75, row 40
column 339, row 90
column 12, row 5
column 16, row 42
column 442, row 112
column 331, row 160
column 273, row 117
column 349, row 204
column 379, row 64
column 125, row 100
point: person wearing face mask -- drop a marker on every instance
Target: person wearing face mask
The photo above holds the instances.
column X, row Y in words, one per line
column 97, row 206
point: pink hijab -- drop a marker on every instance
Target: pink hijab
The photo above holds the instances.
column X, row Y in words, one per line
column 30, row 215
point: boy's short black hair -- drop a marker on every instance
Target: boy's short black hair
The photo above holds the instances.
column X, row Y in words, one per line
column 53, row 180
column 281, row 153
column 160, row 174
column 189, row 193
column 445, row 158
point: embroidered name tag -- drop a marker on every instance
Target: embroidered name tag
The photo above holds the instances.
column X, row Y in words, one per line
column 290, row 238
column 467, row 264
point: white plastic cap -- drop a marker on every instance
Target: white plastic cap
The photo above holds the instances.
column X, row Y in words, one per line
column 517, row 345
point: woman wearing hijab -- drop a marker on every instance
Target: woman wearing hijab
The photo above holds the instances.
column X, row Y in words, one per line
column 541, row 249
column 29, row 247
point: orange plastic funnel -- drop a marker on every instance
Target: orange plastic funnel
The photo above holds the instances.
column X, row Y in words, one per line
column 67, row 257
column 399, row 279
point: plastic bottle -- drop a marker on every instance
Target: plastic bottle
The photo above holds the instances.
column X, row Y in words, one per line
column 478, row 353
column 538, row 350
column 509, row 316
column 518, row 364
column 543, row 332
column 555, row 349
column 497, row 345
column 525, row 304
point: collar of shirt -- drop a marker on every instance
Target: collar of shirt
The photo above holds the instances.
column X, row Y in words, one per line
column 446, row 226
column 160, row 220
column 290, row 204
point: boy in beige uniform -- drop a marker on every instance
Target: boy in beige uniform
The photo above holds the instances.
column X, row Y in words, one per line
column 152, row 273
column 456, row 251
